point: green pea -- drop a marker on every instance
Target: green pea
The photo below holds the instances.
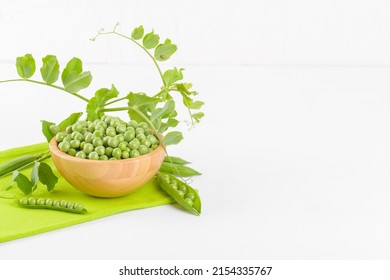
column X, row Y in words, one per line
column 121, row 128
column 181, row 193
column 105, row 140
column 74, row 134
column 91, row 128
column 54, row 129
column 113, row 158
column 75, row 144
column 110, row 131
column 83, row 123
column 84, row 130
column 98, row 133
column 131, row 129
column 63, row 203
column 148, row 132
column 32, row 201
column 152, row 139
column 154, row 146
column 82, row 144
column 167, row 178
column 189, row 201
column 141, row 137
column 23, row 201
column 120, row 138
column 97, row 142
column 139, row 130
column 69, row 130
column 133, row 145
column 113, row 143
column 146, row 142
column 40, row 201
column 88, row 138
column 72, row 152
column 60, row 137
column 100, row 128
column 123, row 145
column 88, row 148
column 103, row 157
column 107, row 119
column 70, row 205
column 49, row 202
column 143, row 149
column 143, row 125
column 67, row 138
column 56, row 203
column 109, row 151
column 190, row 196
column 183, row 188
column 125, row 154
column 173, row 182
column 93, row 156
column 64, row 146
column 133, row 123
column 77, row 127
column 78, row 207
column 129, row 135
column 117, row 153
column 100, row 150
column 134, row 153
column 114, row 123
column 81, row 154
column 79, row 137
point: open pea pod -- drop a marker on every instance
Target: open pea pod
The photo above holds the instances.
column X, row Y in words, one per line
column 182, row 193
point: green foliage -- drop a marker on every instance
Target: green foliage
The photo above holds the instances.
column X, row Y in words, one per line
column 164, row 51
column 138, row 33
column 98, row 101
column 25, row 66
column 50, row 69
column 150, row 40
column 173, row 138
column 73, row 77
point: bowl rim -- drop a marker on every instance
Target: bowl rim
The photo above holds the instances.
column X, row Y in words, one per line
column 53, row 148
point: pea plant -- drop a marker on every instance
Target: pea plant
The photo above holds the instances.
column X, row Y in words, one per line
column 158, row 110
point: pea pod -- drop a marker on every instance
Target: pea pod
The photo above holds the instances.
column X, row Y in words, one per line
column 179, row 170
column 182, row 193
column 175, row 160
column 17, row 163
column 42, row 203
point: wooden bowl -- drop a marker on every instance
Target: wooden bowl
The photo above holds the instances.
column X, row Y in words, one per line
column 107, row 178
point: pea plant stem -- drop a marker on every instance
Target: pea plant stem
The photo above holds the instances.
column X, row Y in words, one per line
column 138, row 44
column 50, row 85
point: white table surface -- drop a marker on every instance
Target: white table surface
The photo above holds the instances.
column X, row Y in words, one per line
column 295, row 162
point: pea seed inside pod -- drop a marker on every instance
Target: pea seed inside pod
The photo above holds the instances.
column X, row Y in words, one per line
column 49, row 202
column 40, row 201
column 23, row 201
column 78, row 206
column 56, row 203
column 70, row 205
column 32, row 201
column 63, row 203
column 190, row 196
column 189, row 201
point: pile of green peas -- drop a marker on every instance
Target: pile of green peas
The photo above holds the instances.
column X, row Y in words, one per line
column 108, row 138
column 181, row 189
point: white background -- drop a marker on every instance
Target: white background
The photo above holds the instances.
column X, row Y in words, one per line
column 295, row 148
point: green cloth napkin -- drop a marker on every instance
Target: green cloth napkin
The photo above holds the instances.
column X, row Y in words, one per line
column 17, row 222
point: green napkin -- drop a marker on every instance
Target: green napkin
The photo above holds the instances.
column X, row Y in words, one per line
column 17, row 222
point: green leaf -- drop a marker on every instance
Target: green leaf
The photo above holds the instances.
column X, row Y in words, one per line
column 34, row 173
column 72, row 119
column 164, row 51
column 173, row 138
column 178, row 169
column 50, row 69
column 46, row 130
column 173, row 75
column 196, row 105
column 99, row 100
column 198, row 116
column 23, row 183
column 141, row 102
column 137, row 33
column 25, row 65
column 150, row 40
column 46, row 176
column 164, row 111
column 170, row 123
column 73, row 78
column 176, row 160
